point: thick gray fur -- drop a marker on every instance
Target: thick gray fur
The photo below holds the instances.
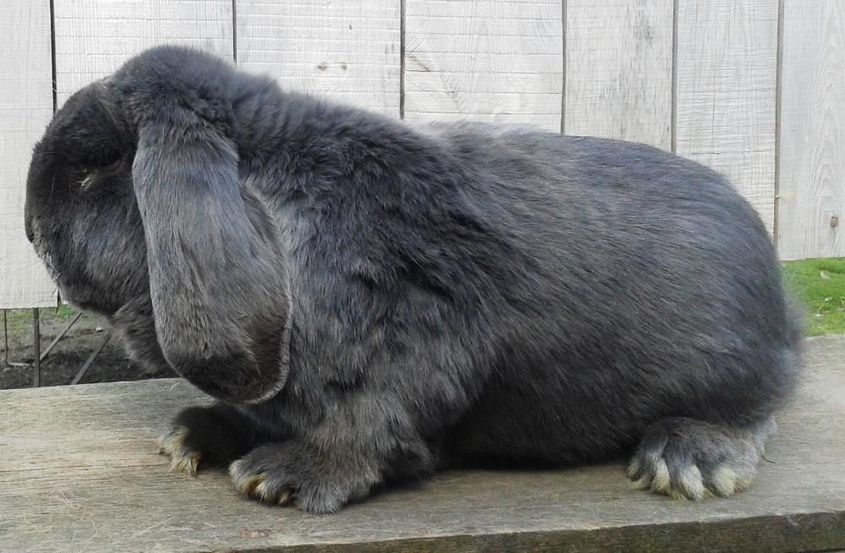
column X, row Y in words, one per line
column 376, row 300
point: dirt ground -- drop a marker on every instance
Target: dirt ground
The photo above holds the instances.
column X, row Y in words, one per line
column 68, row 356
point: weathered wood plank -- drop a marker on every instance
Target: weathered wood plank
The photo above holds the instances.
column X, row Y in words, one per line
column 811, row 208
column 344, row 49
column 79, row 471
column 726, row 89
column 619, row 70
column 493, row 60
column 95, row 37
column 26, row 105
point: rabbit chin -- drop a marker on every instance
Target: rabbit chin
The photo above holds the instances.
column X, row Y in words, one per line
column 79, row 301
column 84, row 297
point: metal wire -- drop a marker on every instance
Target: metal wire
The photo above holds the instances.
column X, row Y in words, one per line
column 60, row 336
column 91, row 359
column 39, row 356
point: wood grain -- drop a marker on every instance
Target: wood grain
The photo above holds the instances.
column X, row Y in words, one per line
column 26, row 105
column 619, row 70
column 344, row 49
column 95, row 37
column 726, row 90
column 79, row 472
column 492, row 60
column 811, row 208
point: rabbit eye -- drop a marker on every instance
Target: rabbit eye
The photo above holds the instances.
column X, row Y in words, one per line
column 87, row 180
column 89, row 176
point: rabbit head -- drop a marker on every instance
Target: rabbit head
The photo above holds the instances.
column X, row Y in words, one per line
column 133, row 196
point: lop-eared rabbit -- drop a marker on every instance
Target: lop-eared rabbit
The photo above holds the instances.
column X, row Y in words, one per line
column 370, row 302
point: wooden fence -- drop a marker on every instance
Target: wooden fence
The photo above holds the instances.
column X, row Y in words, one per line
column 752, row 88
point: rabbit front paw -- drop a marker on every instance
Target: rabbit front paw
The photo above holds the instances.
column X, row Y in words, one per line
column 175, row 444
column 291, row 472
column 213, row 435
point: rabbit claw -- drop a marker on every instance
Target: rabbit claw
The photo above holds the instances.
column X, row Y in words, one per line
column 182, row 458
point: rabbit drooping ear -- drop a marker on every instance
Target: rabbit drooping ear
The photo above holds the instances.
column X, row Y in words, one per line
column 217, row 281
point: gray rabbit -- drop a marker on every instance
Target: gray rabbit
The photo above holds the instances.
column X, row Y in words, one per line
column 370, row 302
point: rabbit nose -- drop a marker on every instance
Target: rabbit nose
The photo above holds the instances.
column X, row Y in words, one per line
column 30, row 233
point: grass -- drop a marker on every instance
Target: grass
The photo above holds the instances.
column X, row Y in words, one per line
column 818, row 283
column 19, row 321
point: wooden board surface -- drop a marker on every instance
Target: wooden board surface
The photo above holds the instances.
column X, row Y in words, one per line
column 95, row 37
column 811, row 208
column 79, row 472
column 26, row 105
column 619, row 70
column 726, row 90
column 344, row 49
column 490, row 60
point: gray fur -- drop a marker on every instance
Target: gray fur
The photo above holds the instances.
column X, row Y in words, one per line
column 378, row 301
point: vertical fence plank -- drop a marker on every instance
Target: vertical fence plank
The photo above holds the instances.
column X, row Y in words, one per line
column 484, row 59
column 619, row 70
column 811, row 209
column 344, row 49
column 95, row 37
column 726, row 90
column 26, row 105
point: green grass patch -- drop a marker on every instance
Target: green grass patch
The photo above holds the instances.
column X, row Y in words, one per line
column 19, row 321
column 820, row 285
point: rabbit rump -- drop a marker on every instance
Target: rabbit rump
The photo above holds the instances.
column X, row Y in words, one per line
column 370, row 301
